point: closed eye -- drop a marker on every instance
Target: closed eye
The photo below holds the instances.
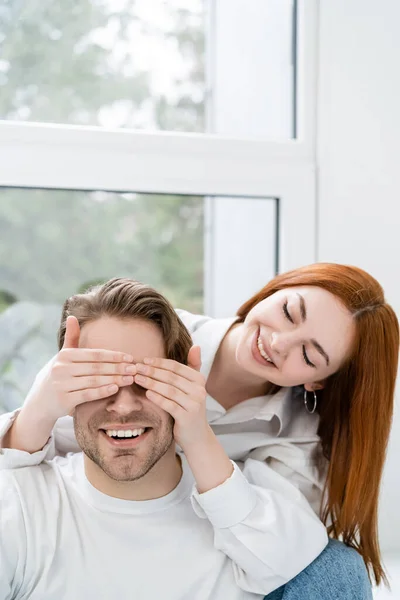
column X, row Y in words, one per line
column 306, row 359
column 286, row 312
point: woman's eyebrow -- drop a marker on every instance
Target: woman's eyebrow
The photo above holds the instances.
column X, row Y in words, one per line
column 303, row 314
column 303, row 310
column 320, row 350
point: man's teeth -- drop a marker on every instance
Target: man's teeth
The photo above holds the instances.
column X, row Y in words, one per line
column 262, row 351
column 124, row 433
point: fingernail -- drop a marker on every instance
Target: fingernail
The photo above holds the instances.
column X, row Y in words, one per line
column 128, row 378
column 142, row 369
column 148, row 361
column 140, row 379
column 128, row 358
column 130, row 369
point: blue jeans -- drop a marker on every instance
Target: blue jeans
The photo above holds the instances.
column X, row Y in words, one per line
column 339, row 573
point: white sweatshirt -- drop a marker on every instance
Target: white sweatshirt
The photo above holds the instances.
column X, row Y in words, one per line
column 274, row 442
column 62, row 539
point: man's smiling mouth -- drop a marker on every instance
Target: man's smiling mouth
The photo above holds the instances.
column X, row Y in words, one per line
column 125, row 433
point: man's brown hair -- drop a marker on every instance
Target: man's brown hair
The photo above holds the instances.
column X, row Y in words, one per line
column 124, row 298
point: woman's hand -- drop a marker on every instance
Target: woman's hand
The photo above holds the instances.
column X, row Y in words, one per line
column 76, row 375
column 180, row 390
column 80, row 375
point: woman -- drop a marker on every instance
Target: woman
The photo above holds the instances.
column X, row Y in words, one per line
column 324, row 327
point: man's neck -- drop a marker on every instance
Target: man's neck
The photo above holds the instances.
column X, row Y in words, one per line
column 158, row 482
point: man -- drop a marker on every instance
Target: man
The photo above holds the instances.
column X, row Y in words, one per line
column 129, row 517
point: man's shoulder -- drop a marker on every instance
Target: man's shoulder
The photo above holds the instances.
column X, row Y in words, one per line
column 8, row 485
column 24, row 483
column 32, row 498
column 11, row 478
column 11, row 499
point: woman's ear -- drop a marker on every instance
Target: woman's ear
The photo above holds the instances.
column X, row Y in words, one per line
column 315, row 386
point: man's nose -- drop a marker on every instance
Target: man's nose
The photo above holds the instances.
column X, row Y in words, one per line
column 126, row 400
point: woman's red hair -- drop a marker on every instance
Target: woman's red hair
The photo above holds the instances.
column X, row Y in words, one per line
column 355, row 406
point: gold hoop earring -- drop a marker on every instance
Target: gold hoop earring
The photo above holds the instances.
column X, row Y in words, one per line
column 311, row 411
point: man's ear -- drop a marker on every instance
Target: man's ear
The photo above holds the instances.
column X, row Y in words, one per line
column 315, row 386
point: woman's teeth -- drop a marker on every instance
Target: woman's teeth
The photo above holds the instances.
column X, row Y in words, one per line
column 262, row 351
column 124, row 433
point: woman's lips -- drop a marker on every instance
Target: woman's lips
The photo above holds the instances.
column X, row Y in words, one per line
column 256, row 352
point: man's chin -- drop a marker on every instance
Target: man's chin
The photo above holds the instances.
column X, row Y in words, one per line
column 121, row 469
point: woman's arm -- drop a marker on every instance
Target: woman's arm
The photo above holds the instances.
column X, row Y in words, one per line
column 27, row 430
column 36, row 428
column 75, row 375
column 264, row 524
column 60, row 442
column 15, row 457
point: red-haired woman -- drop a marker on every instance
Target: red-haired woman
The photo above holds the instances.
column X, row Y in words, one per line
column 300, row 390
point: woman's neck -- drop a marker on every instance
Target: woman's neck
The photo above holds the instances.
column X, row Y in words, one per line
column 228, row 383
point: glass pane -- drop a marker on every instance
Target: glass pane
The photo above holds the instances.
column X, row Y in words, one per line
column 244, row 245
column 254, row 69
column 151, row 64
column 115, row 63
column 55, row 243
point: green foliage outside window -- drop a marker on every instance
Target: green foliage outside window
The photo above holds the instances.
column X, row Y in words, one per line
column 77, row 63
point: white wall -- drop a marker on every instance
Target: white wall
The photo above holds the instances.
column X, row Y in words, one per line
column 359, row 166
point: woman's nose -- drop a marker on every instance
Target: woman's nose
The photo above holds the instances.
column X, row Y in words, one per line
column 126, row 400
column 281, row 342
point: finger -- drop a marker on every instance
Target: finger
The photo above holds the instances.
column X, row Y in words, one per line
column 168, row 377
column 91, row 394
column 98, row 368
column 173, row 366
column 72, row 333
column 97, row 381
column 168, row 405
column 194, row 358
column 95, row 355
column 169, row 392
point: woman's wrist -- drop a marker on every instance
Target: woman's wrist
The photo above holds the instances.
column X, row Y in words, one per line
column 28, row 432
column 208, row 462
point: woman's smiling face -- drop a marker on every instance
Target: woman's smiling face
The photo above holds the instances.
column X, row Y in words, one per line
column 299, row 335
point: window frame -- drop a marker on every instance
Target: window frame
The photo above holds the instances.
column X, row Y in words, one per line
column 59, row 156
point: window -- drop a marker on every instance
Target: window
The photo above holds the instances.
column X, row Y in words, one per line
column 54, row 243
column 253, row 68
column 151, row 65
column 228, row 189
column 114, row 63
